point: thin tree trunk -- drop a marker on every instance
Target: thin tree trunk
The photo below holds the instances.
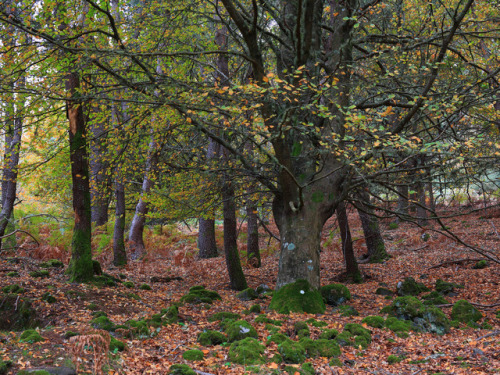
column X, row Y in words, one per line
column 136, row 240
column 236, row 277
column 403, row 202
column 119, row 253
column 371, row 229
column 80, row 267
column 351, row 264
column 253, row 252
column 422, row 206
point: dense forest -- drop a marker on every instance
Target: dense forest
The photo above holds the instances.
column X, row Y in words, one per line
column 240, row 151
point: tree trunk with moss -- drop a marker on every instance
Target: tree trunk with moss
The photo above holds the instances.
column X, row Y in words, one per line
column 374, row 241
column 80, row 267
column 119, row 253
column 253, row 251
column 351, row 265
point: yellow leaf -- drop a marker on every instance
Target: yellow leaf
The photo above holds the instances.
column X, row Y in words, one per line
column 273, row 366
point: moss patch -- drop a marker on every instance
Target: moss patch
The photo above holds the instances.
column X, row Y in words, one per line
column 409, row 287
column 41, row 274
column 223, row 315
column 374, row 321
column 320, row 347
column 181, row 369
column 208, row 338
column 247, row 295
column 329, row 334
column 198, row 294
column 128, row 284
column 52, row 263
column 5, row 366
column 193, row 355
column 13, row 289
column 31, row 336
column 145, row 287
column 292, row 352
column 480, row 265
column 16, row 313
column 264, row 319
column 464, row 312
column 354, row 335
column 102, row 322
column 445, row 287
column 335, row 294
column 116, row 345
column 298, row 297
column 434, row 298
column 49, row 298
column 248, row 351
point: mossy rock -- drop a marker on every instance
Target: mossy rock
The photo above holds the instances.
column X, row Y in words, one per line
column 392, row 359
column 223, row 315
column 98, row 313
column 264, row 319
column 335, row 294
column 105, row 280
column 198, row 294
column 128, row 284
column 102, row 322
column 116, row 345
column 384, row 292
column 480, row 265
column 277, row 338
column 193, row 355
column 34, row 372
column 292, row 352
column 16, row 313
column 320, row 347
column 354, row 335
column 209, row 338
column 256, row 309
column 465, row 312
column 316, row 323
column 240, row 330
column 434, row 298
column 49, row 298
column 138, row 328
column 409, row 287
column 374, row 321
column 52, row 263
column 13, row 289
column 329, row 334
column 31, row 336
column 424, row 318
column 181, row 369
column 40, row 274
column 298, row 297
column 263, row 289
column 145, row 287
column 12, row 274
column 5, row 366
column 346, row 310
column 445, row 287
column 248, row 351
column 248, row 294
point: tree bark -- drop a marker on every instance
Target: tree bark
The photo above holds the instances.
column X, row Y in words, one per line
column 351, row 265
column 371, row 229
column 119, row 253
column 80, row 267
column 253, row 251
column 403, row 203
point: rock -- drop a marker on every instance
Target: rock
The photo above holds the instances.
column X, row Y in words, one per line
column 240, row 330
column 263, row 289
column 409, row 287
column 16, row 313
column 247, row 295
column 335, row 294
column 464, row 312
column 384, row 292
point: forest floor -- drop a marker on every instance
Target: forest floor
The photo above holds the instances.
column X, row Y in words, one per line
column 465, row 350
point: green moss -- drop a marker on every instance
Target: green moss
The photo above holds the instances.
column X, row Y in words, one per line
column 70, row 334
column 335, row 362
column 384, row 292
column 405, row 308
column 5, row 366
column 278, row 338
column 409, row 287
column 316, row 323
column 307, row 369
column 434, row 298
column 335, row 294
column 255, row 309
column 47, row 297
column 445, row 287
column 292, row 352
column 480, row 265
column 239, row 330
column 102, row 281
column 223, row 315
column 464, row 312
column 116, row 345
column 394, row 359
column 300, row 326
column 354, row 335
column 170, row 315
column 41, row 274
column 13, row 289
column 248, row 351
column 12, row 274
column 400, row 327
column 31, row 336
column 138, row 328
column 52, row 263
column 208, row 338
column 34, row 372
column 92, row 306
column 145, row 287
column 498, row 314
column 346, row 310
column 374, row 321
column 247, row 295
column 102, row 322
column 193, row 355
column 16, row 313
column 393, row 226
column 180, row 369
column 329, row 334
column 298, row 297
column 264, row 319
column 320, row 347
column 128, row 284
column 198, row 294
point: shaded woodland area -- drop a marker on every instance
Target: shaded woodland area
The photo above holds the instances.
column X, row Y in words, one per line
column 261, row 186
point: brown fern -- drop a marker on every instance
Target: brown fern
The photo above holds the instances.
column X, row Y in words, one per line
column 99, row 341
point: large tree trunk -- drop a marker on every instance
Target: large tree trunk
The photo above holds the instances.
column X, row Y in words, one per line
column 80, row 266
column 351, row 265
column 136, row 240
